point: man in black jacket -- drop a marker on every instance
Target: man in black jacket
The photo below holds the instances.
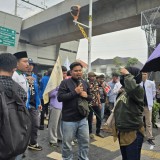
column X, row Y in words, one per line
column 8, row 64
column 73, row 123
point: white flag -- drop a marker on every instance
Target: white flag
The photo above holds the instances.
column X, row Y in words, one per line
column 67, row 63
column 55, row 79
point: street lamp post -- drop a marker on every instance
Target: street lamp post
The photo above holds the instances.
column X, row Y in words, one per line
column 89, row 32
column 90, row 36
column 15, row 8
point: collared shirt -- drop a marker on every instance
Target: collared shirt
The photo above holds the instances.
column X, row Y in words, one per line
column 150, row 89
column 112, row 94
column 21, row 80
column 94, row 89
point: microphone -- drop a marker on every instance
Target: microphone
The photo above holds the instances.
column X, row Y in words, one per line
column 79, row 81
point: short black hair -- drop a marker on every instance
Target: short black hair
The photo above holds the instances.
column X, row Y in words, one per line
column 7, row 62
column 68, row 73
column 74, row 64
column 64, row 69
column 115, row 74
column 101, row 76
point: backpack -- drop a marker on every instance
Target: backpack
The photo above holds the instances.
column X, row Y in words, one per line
column 15, row 123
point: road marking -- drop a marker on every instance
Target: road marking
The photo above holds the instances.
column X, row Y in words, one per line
column 46, row 122
column 55, row 155
column 151, row 154
column 106, row 143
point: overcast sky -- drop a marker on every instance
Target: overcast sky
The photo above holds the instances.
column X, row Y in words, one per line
column 25, row 10
column 126, row 43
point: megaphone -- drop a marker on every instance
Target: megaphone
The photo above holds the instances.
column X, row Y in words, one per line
column 75, row 10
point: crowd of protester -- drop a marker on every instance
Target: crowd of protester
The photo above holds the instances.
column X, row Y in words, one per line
column 129, row 93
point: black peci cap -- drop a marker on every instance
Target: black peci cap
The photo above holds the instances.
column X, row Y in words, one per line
column 22, row 54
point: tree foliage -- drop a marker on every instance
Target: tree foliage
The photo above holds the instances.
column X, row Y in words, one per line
column 131, row 62
column 117, row 62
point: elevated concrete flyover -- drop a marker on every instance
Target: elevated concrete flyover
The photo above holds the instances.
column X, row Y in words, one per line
column 55, row 25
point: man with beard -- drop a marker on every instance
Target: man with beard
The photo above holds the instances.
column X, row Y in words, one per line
column 74, row 125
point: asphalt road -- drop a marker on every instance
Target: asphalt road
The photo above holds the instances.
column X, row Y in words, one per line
column 100, row 148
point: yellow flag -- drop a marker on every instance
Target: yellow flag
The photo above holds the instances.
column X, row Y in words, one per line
column 55, row 79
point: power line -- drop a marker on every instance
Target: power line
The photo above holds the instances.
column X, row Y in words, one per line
column 23, row 6
column 33, row 4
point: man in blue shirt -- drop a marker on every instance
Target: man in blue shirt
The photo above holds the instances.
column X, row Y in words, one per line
column 115, row 87
column 43, row 85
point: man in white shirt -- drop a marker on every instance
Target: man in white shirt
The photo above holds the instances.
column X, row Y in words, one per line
column 149, row 95
column 19, row 77
column 22, row 66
